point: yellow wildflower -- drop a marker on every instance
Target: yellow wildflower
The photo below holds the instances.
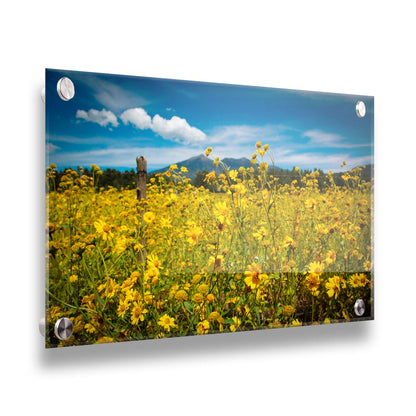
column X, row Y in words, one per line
column 149, row 217
column 73, row 278
column 210, row 176
column 153, row 261
column 289, row 242
column 151, row 273
column 310, row 203
column 331, row 256
column 210, row 297
column 316, row 267
column 288, row 309
column 253, row 276
column 193, row 234
column 233, row 174
column 165, row 223
column 358, row 280
column 54, row 313
column 121, row 245
column 312, row 283
column 110, row 288
column 104, row 340
column 181, row 295
column 263, row 167
column 137, row 313
column 103, row 230
column 166, row 322
column 123, row 307
column 213, row 316
column 334, row 286
column 260, row 234
column 196, row 278
column 202, row 327
column 90, row 329
column 148, row 297
column 198, row 298
column 236, row 324
column 203, row 288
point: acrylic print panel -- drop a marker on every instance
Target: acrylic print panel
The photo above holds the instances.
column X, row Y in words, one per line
column 183, row 208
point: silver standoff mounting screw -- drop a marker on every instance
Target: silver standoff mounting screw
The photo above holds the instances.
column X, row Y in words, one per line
column 63, row 328
column 42, row 326
column 360, row 109
column 359, row 307
column 65, row 88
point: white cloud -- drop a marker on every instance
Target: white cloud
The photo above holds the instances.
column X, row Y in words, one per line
column 321, row 138
column 240, row 140
column 50, row 148
column 103, row 117
column 238, row 135
column 97, row 140
column 137, row 117
column 116, row 98
column 176, row 129
column 125, row 156
column 165, row 156
column 323, row 161
column 110, row 95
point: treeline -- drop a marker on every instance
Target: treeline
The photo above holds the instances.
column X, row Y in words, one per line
column 127, row 179
column 108, row 177
column 287, row 176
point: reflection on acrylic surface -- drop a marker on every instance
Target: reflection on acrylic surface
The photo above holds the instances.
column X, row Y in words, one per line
column 252, row 208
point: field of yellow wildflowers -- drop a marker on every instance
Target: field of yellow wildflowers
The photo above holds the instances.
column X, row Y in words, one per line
column 255, row 254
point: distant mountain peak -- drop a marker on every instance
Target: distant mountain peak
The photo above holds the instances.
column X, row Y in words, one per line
column 200, row 162
column 232, row 160
column 197, row 157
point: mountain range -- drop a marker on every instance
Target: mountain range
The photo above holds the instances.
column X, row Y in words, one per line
column 201, row 162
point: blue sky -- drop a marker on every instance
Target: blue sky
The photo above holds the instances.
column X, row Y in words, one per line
column 112, row 119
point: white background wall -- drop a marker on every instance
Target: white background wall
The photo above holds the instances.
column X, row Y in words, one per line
column 346, row 47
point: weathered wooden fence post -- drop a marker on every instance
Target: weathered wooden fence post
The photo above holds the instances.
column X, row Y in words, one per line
column 141, row 177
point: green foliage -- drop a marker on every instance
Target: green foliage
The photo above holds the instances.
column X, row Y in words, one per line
column 109, row 178
column 127, row 179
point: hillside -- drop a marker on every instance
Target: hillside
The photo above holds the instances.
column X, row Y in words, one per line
column 201, row 163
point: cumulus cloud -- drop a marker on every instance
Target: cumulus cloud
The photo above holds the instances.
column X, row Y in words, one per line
column 176, row 128
column 103, row 117
column 138, row 117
